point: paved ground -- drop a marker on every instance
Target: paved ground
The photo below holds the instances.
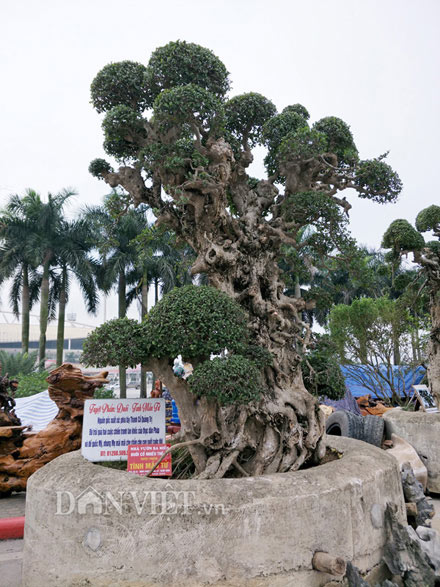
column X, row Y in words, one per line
column 13, row 507
column 11, row 558
column 11, row 550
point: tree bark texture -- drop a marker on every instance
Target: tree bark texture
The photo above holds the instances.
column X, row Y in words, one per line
column 434, row 346
column 44, row 309
column 25, row 310
column 122, row 310
column 61, row 318
column 144, row 312
column 430, row 261
column 21, row 453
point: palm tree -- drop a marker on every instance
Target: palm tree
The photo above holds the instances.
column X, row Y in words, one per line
column 159, row 263
column 45, row 220
column 115, row 241
column 73, row 259
column 18, row 261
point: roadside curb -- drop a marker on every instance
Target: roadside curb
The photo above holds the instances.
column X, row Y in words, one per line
column 11, row 528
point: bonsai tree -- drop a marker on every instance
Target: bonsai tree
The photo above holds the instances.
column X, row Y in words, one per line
column 184, row 148
column 116, row 342
column 402, row 238
column 195, row 322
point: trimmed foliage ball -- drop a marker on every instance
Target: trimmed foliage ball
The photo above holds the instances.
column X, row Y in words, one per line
column 275, row 130
column 234, row 379
column 116, row 342
column 183, row 103
column 121, row 83
column 303, row 144
column 123, row 128
column 401, row 237
column 100, row 166
column 339, row 137
column 428, row 219
column 180, row 63
column 246, row 114
column 195, row 322
column 378, row 181
column 297, row 109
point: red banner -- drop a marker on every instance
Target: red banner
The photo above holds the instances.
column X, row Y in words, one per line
column 143, row 457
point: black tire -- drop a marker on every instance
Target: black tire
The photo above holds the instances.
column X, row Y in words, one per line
column 343, row 423
column 374, row 428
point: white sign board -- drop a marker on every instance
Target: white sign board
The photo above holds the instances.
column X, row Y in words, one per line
column 426, row 400
column 111, row 425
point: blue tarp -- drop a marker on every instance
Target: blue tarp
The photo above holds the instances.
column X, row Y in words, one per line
column 360, row 380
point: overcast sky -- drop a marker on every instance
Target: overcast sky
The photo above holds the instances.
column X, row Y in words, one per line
column 373, row 63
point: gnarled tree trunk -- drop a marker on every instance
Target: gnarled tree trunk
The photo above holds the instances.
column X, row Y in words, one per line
column 240, row 256
column 434, row 346
column 430, row 261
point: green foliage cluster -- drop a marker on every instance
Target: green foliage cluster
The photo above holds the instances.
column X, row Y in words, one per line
column 186, row 85
column 180, row 63
column 377, row 181
column 257, row 354
column 325, row 218
column 321, row 372
column 98, row 167
column 31, row 383
column 195, row 322
column 119, row 84
column 123, row 128
column 15, row 363
column 434, row 246
column 179, row 157
column 116, row 204
column 297, row 109
column 428, row 219
column 183, row 104
column 366, row 328
column 401, row 237
column 116, row 342
column 302, row 144
column 276, row 129
column 339, row 138
column 103, row 393
column 234, row 379
column 246, row 115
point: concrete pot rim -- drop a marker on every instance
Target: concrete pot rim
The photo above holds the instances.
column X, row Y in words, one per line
column 359, row 461
column 263, row 529
column 419, row 416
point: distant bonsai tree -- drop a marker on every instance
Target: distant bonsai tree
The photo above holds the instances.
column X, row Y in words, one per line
column 116, row 342
column 184, row 148
column 402, row 238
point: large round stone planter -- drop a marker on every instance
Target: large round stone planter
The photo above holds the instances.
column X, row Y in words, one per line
column 90, row 525
column 422, row 430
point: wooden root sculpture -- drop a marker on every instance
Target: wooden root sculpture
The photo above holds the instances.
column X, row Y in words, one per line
column 21, row 452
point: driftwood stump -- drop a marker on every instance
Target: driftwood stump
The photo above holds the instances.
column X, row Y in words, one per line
column 22, row 453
